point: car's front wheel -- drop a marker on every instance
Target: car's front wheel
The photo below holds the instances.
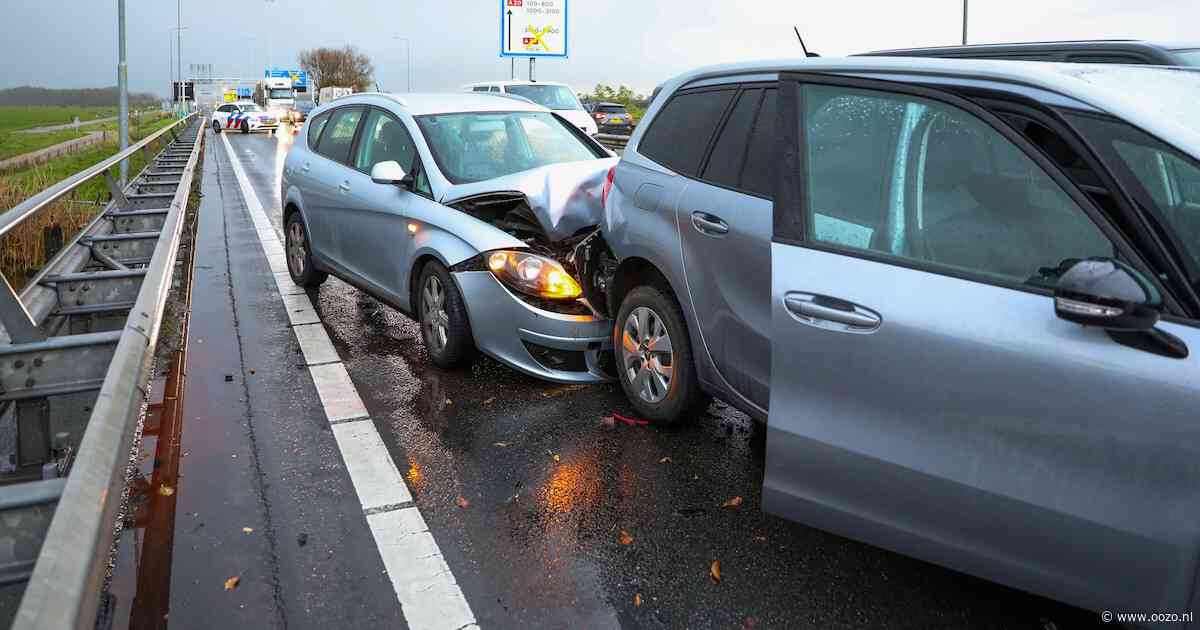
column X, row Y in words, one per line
column 443, row 317
column 216, row 127
column 654, row 357
column 299, row 254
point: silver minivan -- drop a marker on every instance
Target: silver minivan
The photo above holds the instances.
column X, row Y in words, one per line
column 967, row 292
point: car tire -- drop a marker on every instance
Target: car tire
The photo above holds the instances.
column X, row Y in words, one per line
column 667, row 397
column 442, row 314
column 216, row 126
column 245, row 126
column 299, row 254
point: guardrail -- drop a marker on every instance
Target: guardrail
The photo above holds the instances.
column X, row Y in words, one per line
column 76, row 347
column 612, row 141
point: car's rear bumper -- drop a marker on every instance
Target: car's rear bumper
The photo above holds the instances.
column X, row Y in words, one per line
column 569, row 348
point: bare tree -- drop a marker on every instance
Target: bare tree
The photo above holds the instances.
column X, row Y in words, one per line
column 338, row 67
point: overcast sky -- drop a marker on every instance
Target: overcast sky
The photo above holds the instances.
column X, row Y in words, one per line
column 57, row 43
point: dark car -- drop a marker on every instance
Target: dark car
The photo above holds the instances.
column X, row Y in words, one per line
column 1088, row 51
column 612, row 118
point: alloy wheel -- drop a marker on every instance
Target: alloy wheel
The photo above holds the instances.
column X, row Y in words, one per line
column 646, row 354
column 434, row 319
column 297, row 248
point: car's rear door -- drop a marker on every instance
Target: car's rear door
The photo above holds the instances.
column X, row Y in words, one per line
column 924, row 396
column 330, row 176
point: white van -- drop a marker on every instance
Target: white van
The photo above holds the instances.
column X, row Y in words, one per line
column 555, row 96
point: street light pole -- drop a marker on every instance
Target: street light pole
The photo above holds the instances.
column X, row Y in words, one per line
column 964, row 41
column 269, row 38
column 407, row 62
column 123, row 88
column 179, row 52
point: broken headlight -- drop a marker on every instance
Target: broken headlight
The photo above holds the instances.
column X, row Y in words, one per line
column 532, row 274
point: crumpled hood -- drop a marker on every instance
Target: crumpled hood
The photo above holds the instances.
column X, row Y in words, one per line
column 564, row 198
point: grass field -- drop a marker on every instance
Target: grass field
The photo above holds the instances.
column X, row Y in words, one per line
column 13, row 118
column 22, row 250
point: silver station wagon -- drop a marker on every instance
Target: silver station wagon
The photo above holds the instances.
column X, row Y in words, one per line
column 964, row 295
column 461, row 210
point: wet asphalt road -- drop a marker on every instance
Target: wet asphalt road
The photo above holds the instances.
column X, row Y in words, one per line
column 551, row 487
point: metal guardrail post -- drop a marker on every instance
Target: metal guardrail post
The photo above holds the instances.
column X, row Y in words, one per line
column 64, row 587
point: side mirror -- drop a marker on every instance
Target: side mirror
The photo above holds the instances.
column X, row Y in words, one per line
column 1108, row 294
column 389, row 172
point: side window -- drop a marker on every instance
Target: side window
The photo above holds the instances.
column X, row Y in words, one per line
column 225, row 108
column 679, row 134
column 495, row 88
column 918, row 179
column 384, row 138
column 756, row 174
column 421, row 180
column 479, row 88
column 336, row 140
column 314, row 129
column 725, row 163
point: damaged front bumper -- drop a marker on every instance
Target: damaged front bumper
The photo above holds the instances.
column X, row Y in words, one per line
column 554, row 346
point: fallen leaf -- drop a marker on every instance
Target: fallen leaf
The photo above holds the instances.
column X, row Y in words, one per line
column 665, row 460
column 462, row 502
column 556, row 457
column 166, row 491
column 624, row 538
column 732, row 503
column 489, row 401
column 637, row 599
column 760, row 538
column 502, row 444
column 233, row 582
column 607, row 421
column 750, row 622
column 247, row 530
column 449, row 402
column 714, row 571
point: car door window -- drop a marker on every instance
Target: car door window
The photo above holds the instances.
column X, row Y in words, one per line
column 335, row 142
column 756, row 172
column 679, row 134
column 314, row 129
column 921, row 180
column 480, row 88
column 384, row 138
column 725, row 163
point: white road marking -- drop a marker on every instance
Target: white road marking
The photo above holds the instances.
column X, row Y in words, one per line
column 429, row 597
column 315, row 344
column 337, row 392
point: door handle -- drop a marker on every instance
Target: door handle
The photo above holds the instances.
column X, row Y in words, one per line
column 305, row 167
column 344, row 186
column 706, row 223
column 827, row 312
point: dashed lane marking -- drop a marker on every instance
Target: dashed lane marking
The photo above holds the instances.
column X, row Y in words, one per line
column 429, row 596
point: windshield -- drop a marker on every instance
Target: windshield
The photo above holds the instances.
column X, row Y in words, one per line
column 477, row 146
column 553, row 96
column 1189, row 57
column 279, row 93
column 1163, row 181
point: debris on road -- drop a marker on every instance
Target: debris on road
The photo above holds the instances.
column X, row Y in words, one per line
column 302, row 539
column 502, row 444
column 714, row 571
column 665, row 460
column 462, row 502
column 624, row 538
column 233, row 582
column 732, row 503
column 637, row 599
column 633, row 422
column 247, row 530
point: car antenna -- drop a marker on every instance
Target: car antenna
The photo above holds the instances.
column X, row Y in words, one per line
column 802, row 47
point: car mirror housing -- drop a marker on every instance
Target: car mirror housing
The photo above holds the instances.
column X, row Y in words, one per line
column 1109, row 294
column 389, row 172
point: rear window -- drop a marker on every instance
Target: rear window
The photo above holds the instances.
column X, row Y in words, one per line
column 336, row 140
column 611, row 109
column 314, row 129
column 679, row 134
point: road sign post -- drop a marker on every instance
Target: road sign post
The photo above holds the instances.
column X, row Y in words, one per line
column 533, row 28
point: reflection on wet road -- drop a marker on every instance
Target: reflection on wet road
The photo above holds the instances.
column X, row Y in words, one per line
column 552, row 516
